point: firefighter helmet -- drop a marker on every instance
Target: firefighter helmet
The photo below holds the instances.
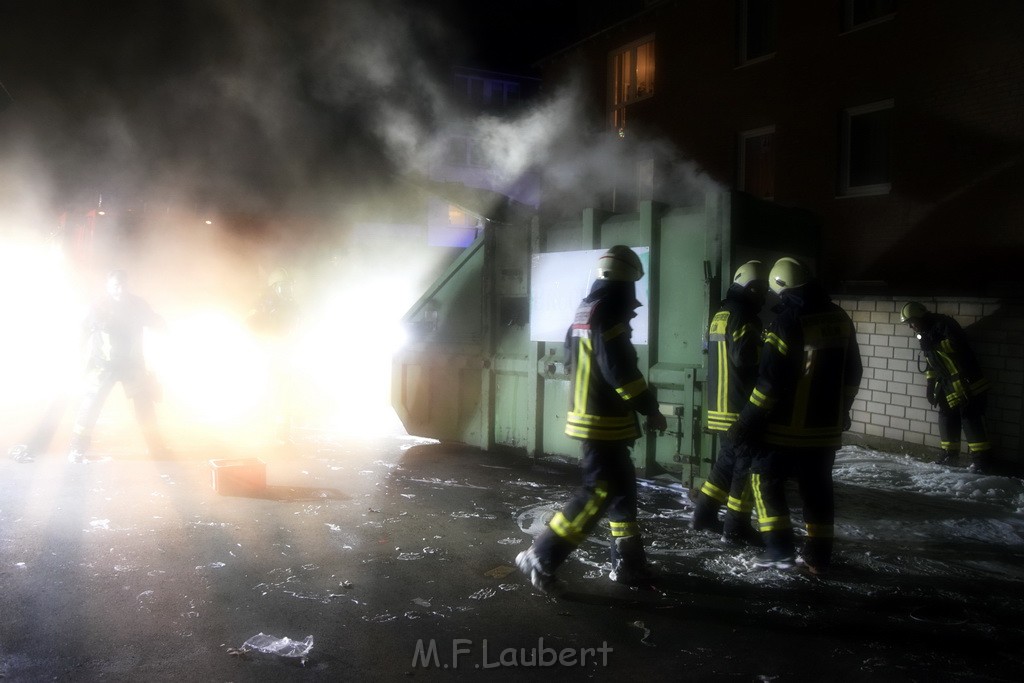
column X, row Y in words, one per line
column 912, row 310
column 749, row 273
column 788, row 273
column 620, row 263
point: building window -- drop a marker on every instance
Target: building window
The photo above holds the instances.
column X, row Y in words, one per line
column 631, row 78
column 757, row 162
column 858, row 13
column 488, row 93
column 866, row 151
column 464, row 152
column 756, row 29
column 457, row 218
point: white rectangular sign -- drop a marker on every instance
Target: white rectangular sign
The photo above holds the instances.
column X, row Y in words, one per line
column 560, row 280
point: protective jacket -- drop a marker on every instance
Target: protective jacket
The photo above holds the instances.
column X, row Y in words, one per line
column 607, row 388
column 734, row 343
column 114, row 334
column 809, row 373
column 952, row 364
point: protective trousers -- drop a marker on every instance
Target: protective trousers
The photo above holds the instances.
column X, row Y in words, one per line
column 771, row 468
column 971, row 419
column 609, row 487
column 729, row 485
column 136, row 387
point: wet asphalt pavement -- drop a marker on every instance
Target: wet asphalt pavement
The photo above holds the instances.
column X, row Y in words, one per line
column 397, row 556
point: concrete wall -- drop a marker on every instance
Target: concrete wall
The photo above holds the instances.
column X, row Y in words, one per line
column 891, row 407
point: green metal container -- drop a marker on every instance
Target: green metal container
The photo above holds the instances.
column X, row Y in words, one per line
column 484, row 365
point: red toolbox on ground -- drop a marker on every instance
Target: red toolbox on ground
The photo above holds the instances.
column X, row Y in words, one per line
column 239, row 477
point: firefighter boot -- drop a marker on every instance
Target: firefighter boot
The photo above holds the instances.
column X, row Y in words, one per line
column 982, row 463
column 542, row 578
column 540, row 561
column 705, row 515
column 780, row 551
column 817, row 555
column 739, row 532
column 629, row 562
column 948, row 458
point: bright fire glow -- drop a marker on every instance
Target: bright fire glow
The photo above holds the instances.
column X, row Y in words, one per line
column 211, row 368
column 218, row 378
column 343, row 354
column 39, row 349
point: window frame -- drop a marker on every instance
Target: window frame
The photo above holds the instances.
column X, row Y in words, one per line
column 743, row 31
column 845, row 189
column 848, row 9
column 744, row 136
column 617, row 110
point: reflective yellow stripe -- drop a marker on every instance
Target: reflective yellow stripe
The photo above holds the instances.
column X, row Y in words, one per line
column 624, row 529
column 582, row 376
column 586, row 420
column 820, row 530
column 723, row 424
column 764, row 522
column 572, row 530
column 758, row 398
column 742, row 332
column 740, row 504
column 979, row 446
column 776, row 341
column 755, row 485
column 633, row 389
column 712, row 491
column 623, row 434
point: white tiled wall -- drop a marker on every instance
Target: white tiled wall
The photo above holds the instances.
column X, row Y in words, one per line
column 892, row 404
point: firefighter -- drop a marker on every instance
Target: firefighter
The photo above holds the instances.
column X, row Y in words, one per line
column 113, row 334
column 607, row 391
column 275, row 311
column 733, row 352
column 955, row 385
column 809, row 374
column 274, row 318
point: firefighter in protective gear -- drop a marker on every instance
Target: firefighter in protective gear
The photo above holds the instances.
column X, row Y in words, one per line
column 606, row 393
column 955, row 385
column 275, row 317
column 113, row 336
column 733, row 352
column 276, row 311
column 809, row 374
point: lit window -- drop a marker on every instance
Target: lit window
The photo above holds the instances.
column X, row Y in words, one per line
column 857, row 13
column 631, row 78
column 757, row 162
column 866, row 140
column 457, row 218
column 756, row 29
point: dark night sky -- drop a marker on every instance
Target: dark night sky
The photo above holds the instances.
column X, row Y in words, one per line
column 258, row 101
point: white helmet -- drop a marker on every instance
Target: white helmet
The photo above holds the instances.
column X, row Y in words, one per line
column 749, row 272
column 620, row 263
column 788, row 273
column 912, row 310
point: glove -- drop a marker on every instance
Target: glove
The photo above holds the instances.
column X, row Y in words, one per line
column 933, row 398
column 655, row 422
column 740, row 432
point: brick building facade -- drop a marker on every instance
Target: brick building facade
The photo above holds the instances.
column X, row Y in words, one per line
column 899, row 123
column 891, row 408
